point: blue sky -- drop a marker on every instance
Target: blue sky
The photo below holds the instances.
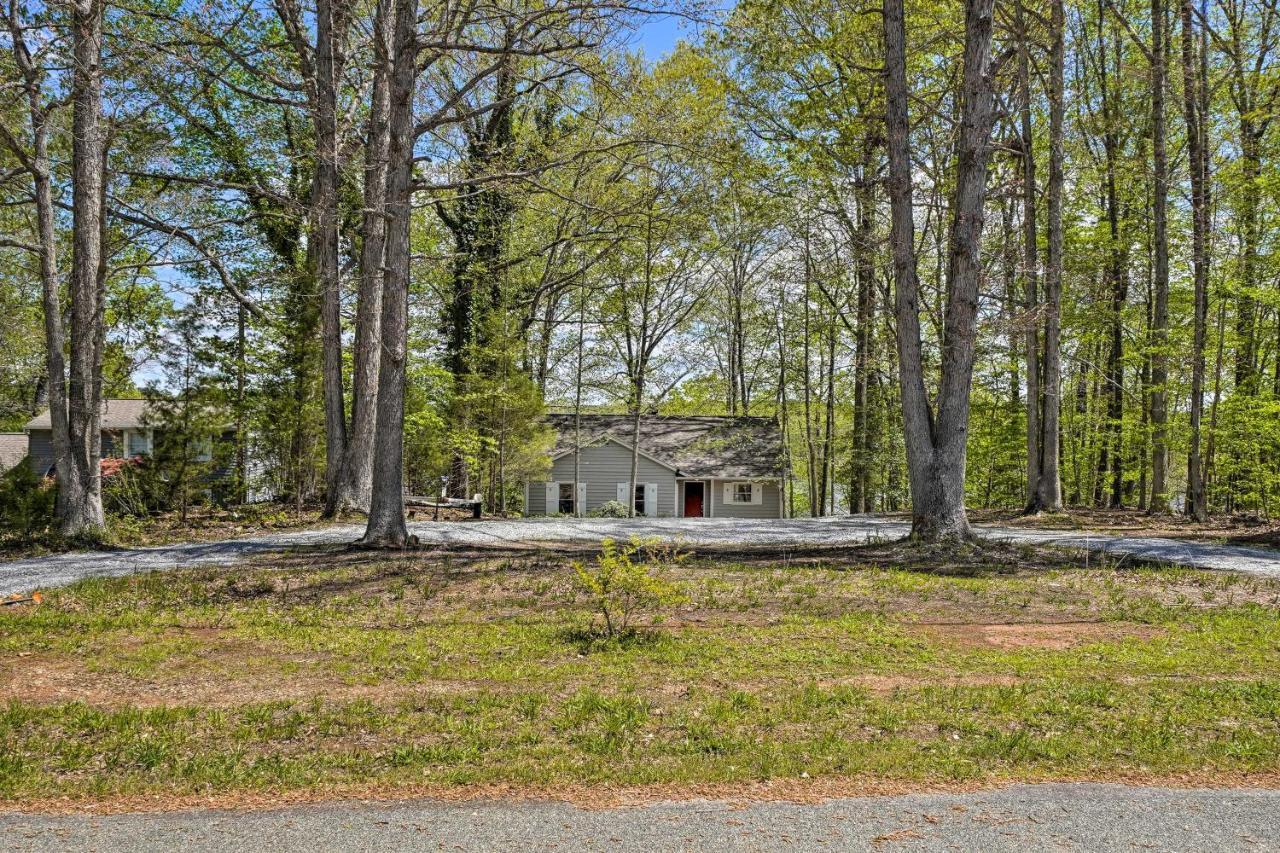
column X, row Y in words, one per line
column 657, row 34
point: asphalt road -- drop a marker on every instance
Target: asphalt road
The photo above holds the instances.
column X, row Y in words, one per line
column 17, row 576
column 1018, row 818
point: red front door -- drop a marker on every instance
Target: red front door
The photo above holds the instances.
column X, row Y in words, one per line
column 693, row 500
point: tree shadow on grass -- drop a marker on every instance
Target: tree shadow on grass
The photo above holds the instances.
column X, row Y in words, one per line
column 593, row 639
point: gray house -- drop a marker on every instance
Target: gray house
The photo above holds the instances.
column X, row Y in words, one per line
column 689, row 467
column 124, row 434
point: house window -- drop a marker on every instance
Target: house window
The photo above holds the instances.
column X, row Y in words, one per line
column 565, row 504
column 742, row 493
column 640, row 499
column 137, row 443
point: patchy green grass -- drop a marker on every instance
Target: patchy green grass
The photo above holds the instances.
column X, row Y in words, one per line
column 326, row 669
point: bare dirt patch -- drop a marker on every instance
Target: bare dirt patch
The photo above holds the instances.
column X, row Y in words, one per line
column 1053, row 636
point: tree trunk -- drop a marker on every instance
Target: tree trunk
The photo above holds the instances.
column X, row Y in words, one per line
column 1196, row 155
column 864, row 263
column 1110, row 457
column 322, row 243
column 1049, row 493
column 1160, row 302
column 1030, row 262
column 936, row 447
column 386, row 526
column 358, row 461
column 80, row 492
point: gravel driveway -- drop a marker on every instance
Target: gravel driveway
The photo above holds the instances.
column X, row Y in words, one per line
column 1018, row 818
column 60, row 569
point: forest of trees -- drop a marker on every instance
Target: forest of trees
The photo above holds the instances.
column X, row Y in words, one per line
column 1002, row 253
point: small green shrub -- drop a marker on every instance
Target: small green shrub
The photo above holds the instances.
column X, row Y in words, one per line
column 26, row 504
column 609, row 509
column 628, row 581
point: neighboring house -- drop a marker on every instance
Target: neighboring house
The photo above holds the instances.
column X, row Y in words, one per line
column 124, row 434
column 13, row 449
column 690, row 467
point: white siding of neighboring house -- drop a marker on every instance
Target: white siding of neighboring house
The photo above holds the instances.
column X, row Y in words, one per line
column 602, row 468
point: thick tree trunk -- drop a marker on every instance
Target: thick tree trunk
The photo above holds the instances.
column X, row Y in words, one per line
column 1030, row 262
column 1110, row 458
column 322, row 243
column 1192, row 103
column 386, row 526
column 357, row 489
column 936, row 447
column 1048, row 497
column 80, row 491
column 1160, row 275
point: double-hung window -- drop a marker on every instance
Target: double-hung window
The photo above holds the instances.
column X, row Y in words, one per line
column 742, row 493
column 565, row 503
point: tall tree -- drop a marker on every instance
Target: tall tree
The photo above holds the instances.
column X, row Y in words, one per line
column 936, row 442
column 1194, row 101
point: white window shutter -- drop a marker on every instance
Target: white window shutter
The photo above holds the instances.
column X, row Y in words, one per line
column 581, row 506
column 624, row 494
column 728, row 493
column 553, row 498
column 651, row 499
column 757, row 494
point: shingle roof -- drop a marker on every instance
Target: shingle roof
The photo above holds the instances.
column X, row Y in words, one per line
column 116, row 414
column 702, row 446
column 13, row 449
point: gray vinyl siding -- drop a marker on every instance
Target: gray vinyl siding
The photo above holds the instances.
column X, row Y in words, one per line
column 40, row 450
column 769, row 507
column 602, row 468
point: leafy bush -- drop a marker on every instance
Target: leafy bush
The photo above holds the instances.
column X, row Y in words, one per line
column 609, row 509
column 127, row 489
column 26, row 504
column 629, row 580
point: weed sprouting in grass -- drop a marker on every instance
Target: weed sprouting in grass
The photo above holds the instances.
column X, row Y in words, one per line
column 629, row 581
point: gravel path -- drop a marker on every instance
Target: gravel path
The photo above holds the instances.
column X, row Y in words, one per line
column 1018, row 818
column 18, row 576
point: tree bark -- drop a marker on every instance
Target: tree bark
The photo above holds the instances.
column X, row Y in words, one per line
column 1191, row 105
column 1030, row 262
column 322, row 243
column 1160, row 299
column 864, row 264
column 936, row 447
column 386, row 527
column 80, row 491
column 357, row 464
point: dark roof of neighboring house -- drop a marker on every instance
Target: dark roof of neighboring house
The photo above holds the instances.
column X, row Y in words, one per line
column 116, row 414
column 13, row 449
column 696, row 446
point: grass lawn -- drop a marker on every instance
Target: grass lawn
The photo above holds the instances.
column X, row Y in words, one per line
column 330, row 671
